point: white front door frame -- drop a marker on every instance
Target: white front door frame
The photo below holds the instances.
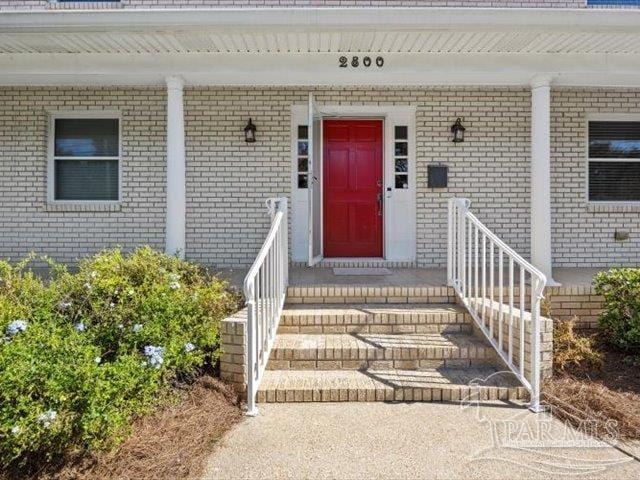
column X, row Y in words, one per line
column 399, row 229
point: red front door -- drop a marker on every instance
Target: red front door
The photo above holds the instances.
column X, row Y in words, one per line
column 352, row 188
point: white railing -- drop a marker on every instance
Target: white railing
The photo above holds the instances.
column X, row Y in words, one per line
column 476, row 256
column 265, row 288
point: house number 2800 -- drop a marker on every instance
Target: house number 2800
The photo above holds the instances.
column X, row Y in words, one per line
column 355, row 62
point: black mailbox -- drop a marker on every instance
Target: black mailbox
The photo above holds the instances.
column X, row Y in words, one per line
column 437, row 176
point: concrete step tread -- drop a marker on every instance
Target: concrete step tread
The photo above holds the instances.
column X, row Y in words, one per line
column 376, row 341
column 368, row 309
column 442, row 384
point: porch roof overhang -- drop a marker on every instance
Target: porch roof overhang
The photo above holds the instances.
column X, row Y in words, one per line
column 420, row 46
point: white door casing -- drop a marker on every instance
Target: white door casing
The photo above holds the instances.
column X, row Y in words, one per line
column 399, row 204
column 314, row 201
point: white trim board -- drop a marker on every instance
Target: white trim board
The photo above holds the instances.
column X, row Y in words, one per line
column 400, row 69
column 313, row 18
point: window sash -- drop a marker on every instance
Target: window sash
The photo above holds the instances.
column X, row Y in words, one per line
column 86, row 180
column 613, row 185
column 109, row 177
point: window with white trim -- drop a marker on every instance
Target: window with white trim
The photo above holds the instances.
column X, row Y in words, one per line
column 614, row 161
column 85, row 159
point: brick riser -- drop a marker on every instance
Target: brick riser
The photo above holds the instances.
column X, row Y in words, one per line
column 370, row 295
column 355, row 318
column 379, row 351
column 385, row 386
column 444, row 394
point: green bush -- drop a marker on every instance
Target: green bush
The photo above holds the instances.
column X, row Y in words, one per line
column 82, row 353
column 620, row 320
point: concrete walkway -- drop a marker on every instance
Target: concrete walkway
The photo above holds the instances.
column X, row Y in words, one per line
column 411, row 441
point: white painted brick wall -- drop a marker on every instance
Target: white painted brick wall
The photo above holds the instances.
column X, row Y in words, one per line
column 228, row 180
column 26, row 221
column 582, row 234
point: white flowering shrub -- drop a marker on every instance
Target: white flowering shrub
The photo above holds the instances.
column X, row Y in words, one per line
column 85, row 352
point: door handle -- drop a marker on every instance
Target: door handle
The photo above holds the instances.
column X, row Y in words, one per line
column 379, row 204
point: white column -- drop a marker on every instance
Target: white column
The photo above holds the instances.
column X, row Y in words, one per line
column 176, row 190
column 541, row 176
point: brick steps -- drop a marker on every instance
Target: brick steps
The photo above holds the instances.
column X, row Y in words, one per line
column 378, row 350
column 376, row 318
column 434, row 385
column 343, row 343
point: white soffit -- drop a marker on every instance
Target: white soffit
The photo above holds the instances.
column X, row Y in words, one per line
column 439, row 42
column 336, row 30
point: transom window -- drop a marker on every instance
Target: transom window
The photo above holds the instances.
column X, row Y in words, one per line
column 85, row 158
column 614, row 161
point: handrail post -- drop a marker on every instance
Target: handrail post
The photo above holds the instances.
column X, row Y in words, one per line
column 284, row 207
column 461, row 208
column 536, row 297
column 252, row 409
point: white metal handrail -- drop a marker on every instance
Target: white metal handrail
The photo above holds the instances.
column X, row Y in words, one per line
column 265, row 288
column 474, row 256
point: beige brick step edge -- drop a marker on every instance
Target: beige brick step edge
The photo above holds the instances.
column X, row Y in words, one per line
column 379, row 347
column 444, row 393
column 366, row 294
column 490, row 361
column 283, row 328
column 377, row 318
column 402, row 394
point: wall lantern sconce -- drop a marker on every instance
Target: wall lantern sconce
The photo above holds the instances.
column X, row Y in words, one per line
column 250, row 132
column 458, row 131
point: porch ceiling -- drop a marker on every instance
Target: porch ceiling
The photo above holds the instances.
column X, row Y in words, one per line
column 253, row 46
column 373, row 30
column 389, row 41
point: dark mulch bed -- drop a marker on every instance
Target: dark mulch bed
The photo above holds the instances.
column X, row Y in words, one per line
column 610, row 392
column 619, row 371
column 173, row 443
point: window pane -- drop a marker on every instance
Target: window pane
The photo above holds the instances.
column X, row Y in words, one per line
column 303, row 132
column 86, row 180
column 303, row 181
column 614, row 139
column 303, row 165
column 401, row 133
column 86, row 137
column 402, row 181
column 614, row 181
column 401, row 149
column 401, row 165
column 303, row 147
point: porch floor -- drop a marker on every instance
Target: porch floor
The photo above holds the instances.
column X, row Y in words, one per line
column 399, row 277
column 416, row 277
